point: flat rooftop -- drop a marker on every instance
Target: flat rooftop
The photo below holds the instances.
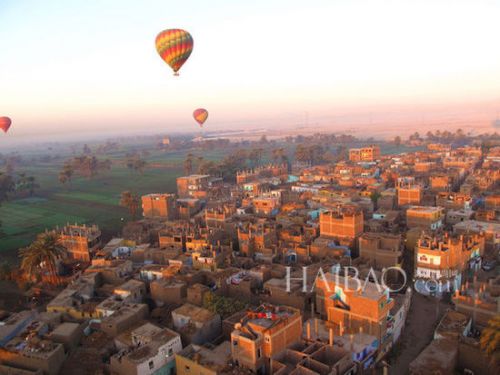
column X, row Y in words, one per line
column 452, row 322
column 130, row 285
column 65, row 329
column 35, row 347
column 169, row 282
column 196, row 176
column 427, row 209
column 124, row 311
column 380, row 235
column 151, row 348
column 389, row 214
column 266, row 316
column 81, row 231
column 187, row 200
column 7, row 370
column 369, row 289
column 478, row 226
column 342, row 211
column 147, row 330
column 438, row 355
column 359, row 341
column 214, row 358
column 196, row 313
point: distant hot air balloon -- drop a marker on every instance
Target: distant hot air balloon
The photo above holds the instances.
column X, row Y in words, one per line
column 174, row 46
column 5, row 123
column 200, row 115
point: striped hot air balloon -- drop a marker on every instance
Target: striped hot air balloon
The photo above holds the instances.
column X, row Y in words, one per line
column 200, row 115
column 174, row 46
column 5, row 123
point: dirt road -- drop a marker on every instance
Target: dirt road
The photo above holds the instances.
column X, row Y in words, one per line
column 424, row 315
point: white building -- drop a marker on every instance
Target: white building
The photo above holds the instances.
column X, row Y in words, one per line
column 152, row 351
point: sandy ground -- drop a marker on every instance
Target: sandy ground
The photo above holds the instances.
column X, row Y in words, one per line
column 424, row 315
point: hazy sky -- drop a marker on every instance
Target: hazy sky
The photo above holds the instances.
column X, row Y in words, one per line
column 67, row 65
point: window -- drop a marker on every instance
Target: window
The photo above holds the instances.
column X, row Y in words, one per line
column 235, row 343
column 170, row 351
column 151, row 365
column 258, row 353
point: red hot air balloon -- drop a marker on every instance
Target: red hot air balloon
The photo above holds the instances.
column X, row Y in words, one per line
column 200, row 115
column 5, row 123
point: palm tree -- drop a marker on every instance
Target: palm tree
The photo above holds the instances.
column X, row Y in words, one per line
column 87, row 165
column 9, row 166
column 341, row 152
column 374, row 196
column 397, row 141
column 136, row 163
column 27, row 183
column 188, row 164
column 208, row 167
column 255, row 156
column 42, row 256
column 130, row 201
column 6, row 186
column 490, row 340
column 302, row 153
column 66, row 174
column 200, row 162
column 459, row 134
column 279, row 155
column 276, row 154
column 63, row 178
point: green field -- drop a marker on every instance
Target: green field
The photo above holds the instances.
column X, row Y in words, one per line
column 87, row 201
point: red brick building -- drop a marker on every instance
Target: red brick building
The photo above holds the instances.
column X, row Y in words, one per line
column 370, row 153
column 344, row 221
column 81, row 241
column 159, row 205
column 263, row 333
column 409, row 192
